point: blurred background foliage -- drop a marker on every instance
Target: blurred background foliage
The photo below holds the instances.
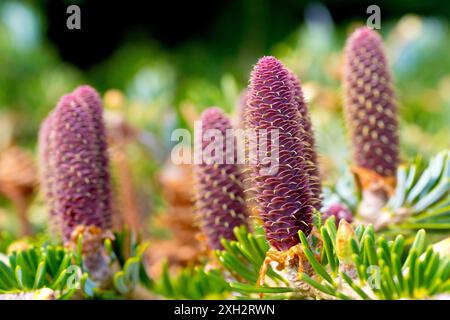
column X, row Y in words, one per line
column 159, row 68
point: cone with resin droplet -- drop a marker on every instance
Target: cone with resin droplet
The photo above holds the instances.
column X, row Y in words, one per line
column 219, row 193
column 75, row 175
column 283, row 194
column 371, row 116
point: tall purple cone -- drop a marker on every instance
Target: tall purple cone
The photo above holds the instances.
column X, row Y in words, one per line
column 284, row 197
column 75, row 166
column 307, row 136
column 370, row 105
column 218, row 185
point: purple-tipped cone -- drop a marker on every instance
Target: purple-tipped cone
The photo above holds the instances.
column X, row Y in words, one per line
column 74, row 160
column 284, row 197
column 219, row 191
column 370, row 106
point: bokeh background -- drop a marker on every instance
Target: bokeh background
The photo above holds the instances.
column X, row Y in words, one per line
column 159, row 64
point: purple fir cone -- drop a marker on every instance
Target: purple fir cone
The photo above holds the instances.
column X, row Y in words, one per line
column 219, row 191
column 284, row 197
column 370, row 105
column 76, row 179
column 307, row 136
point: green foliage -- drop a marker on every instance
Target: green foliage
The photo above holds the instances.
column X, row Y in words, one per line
column 33, row 269
column 360, row 266
column 126, row 256
column 384, row 269
column 421, row 198
column 192, row 283
column 62, row 270
column 5, row 240
column 342, row 191
column 242, row 260
column 244, row 257
column 126, row 253
column 423, row 192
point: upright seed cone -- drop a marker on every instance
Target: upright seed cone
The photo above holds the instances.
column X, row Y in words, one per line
column 371, row 115
column 370, row 106
column 219, row 191
column 284, row 196
column 75, row 174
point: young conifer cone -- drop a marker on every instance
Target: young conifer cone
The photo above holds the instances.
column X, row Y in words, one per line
column 371, row 115
column 308, row 141
column 75, row 173
column 81, row 172
column 219, row 191
column 370, row 109
column 284, row 196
